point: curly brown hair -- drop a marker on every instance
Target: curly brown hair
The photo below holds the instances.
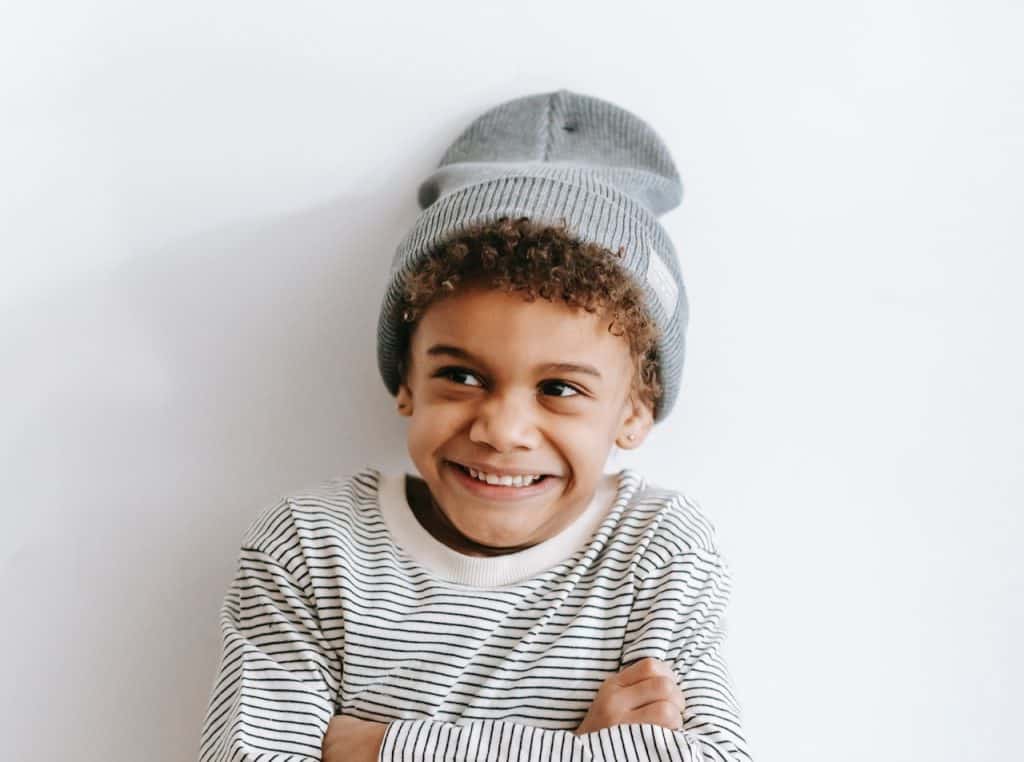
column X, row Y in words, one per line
column 547, row 261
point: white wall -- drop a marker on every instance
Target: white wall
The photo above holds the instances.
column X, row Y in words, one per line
column 199, row 204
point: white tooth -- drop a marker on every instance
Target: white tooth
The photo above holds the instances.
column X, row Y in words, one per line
column 520, row 480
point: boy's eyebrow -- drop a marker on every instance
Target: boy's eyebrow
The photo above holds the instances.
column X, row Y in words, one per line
column 554, row 367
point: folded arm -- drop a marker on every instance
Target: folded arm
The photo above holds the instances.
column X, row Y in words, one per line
column 499, row 741
column 274, row 692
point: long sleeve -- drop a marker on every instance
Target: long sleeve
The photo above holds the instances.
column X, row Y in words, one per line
column 678, row 616
column 499, row 741
column 275, row 690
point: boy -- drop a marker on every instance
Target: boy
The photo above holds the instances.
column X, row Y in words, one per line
column 512, row 602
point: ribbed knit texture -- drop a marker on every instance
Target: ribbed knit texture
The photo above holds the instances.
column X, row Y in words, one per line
column 556, row 156
column 328, row 615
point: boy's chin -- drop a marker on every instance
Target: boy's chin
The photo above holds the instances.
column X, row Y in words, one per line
column 506, row 539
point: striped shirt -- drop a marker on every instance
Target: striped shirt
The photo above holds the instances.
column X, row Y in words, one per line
column 343, row 604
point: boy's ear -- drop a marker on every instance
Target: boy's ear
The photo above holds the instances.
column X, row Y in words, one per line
column 404, row 397
column 635, row 425
column 404, row 400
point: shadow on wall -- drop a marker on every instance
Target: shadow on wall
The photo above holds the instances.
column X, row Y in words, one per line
column 172, row 400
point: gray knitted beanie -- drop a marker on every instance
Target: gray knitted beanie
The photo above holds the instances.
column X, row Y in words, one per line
column 552, row 157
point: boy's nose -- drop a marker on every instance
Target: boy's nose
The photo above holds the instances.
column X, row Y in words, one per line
column 505, row 424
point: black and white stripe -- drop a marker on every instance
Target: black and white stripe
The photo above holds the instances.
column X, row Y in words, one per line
column 327, row 615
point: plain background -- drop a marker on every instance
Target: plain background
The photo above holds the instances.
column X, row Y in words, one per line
column 199, row 205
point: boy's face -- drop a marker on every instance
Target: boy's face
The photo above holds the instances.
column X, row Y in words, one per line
column 491, row 386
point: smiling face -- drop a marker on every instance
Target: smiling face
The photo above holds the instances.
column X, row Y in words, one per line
column 512, row 388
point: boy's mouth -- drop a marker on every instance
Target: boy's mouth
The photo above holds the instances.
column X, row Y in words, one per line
column 490, row 484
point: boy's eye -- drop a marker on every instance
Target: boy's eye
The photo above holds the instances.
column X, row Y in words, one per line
column 458, row 374
column 559, row 389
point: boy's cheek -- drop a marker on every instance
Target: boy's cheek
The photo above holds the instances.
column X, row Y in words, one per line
column 439, row 416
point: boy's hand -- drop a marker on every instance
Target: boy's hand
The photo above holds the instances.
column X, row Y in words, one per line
column 645, row 692
column 352, row 740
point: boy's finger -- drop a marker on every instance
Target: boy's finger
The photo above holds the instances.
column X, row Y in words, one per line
column 643, row 670
column 663, row 713
column 652, row 690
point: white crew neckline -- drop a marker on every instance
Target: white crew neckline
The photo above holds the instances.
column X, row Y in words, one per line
column 488, row 571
